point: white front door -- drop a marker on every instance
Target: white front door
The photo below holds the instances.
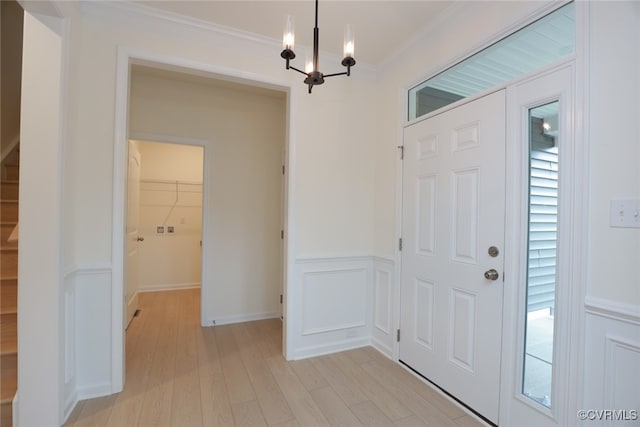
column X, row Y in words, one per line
column 453, row 212
column 133, row 238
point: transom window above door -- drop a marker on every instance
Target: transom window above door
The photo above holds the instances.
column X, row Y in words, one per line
column 543, row 42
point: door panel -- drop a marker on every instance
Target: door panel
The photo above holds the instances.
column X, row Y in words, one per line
column 453, row 211
column 132, row 275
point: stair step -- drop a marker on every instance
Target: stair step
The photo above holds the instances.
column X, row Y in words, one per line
column 6, row 415
column 8, row 334
column 7, row 245
column 9, row 267
column 8, row 387
column 9, row 295
column 9, row 190
column 5, row 230
column 9, row 210
column 12, row 172
column 8, row 377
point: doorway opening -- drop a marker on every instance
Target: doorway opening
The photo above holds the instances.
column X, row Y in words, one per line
column 245, row 205
column 164, row 219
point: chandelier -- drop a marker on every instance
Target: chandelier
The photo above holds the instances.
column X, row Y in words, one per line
column 314, row 75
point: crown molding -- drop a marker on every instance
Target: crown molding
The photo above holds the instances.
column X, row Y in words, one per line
column 138, row 17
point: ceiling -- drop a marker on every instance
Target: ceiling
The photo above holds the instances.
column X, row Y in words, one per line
column 381, row 26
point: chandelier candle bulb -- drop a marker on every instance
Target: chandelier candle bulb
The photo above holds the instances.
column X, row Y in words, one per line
column 349, row 41
column 308, row 67
column 288, row 39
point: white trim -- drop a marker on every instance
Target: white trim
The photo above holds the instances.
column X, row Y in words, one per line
column 384, row 260
column 169, row 139
column 578, row 263
column 228, row 320
column 120, row 148
column 125, row 57
column 169, row 287
column 98, row 390
column 197, row 31
column 332, row 347
column 397, row 307
column 314, row 331
column 69, row 406
column 310, row 259
column 101, row 268
column 614, row 310
column 14, row 410
column 382, row 348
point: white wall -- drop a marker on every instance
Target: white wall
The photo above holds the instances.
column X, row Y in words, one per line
column 245, row 134
column 41, row 311
column 614, row 253
column 612, row 343
column 170, row 261
column 331, row 155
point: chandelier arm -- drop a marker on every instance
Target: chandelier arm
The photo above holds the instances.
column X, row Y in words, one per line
column 344, row 73
column 297, row 69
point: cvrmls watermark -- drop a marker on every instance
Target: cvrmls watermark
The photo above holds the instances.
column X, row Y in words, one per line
column 608, row 414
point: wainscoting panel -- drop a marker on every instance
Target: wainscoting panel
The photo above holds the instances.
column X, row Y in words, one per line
column 383, row 332
column 69, row 339
column 91, row 289
column 334, row 300
column 332, row 304
column 612, row 357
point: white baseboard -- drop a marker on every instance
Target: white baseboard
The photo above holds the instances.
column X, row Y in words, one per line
column 70, row 405
column 169, row 287
column 227, row 320
column 98, row 390
column 382, row 347
column 333, row 347
column 14, row 406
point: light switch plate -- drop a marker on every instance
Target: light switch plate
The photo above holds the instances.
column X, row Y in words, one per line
column 625, row 213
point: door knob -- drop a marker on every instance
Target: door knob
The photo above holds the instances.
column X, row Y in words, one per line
column 491, row 274
column 141, row 239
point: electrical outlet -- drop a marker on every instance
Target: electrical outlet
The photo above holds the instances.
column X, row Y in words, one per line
column 625, row 213
column 171, row 229
column 160, row 229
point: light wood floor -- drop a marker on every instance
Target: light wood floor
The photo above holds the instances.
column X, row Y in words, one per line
column 179, row 374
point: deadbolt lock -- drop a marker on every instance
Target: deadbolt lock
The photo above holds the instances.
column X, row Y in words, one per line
column 493, row 251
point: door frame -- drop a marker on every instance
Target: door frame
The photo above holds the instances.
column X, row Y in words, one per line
column 126, row 57
column 573, row 219
column 578, row 189
column 206, row 202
